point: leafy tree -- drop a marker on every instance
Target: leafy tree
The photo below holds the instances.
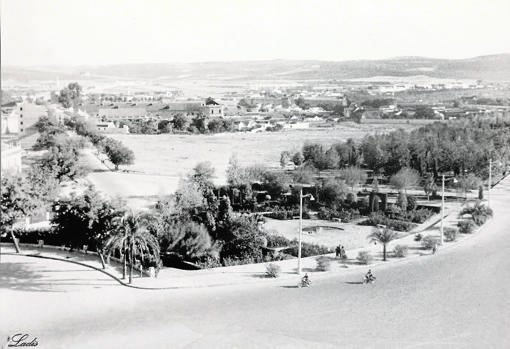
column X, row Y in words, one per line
column 298, row 159
column 284, row 158
column 467, row 183
column 133, row 239
column 86, row 219
column 203, row 174
column 333, row 192
column 188, row 196
column 64, row 162
column 188, row 240
column 404, row 179
column 198, row 124
column 165, row 126
column 353, row 176
column 276, row 183
column 236, row 175
column 429, row 186
column 374, row 155
column 304, row 174
column 70, row 96
column 180, row 122
column 117, row 152
column 383, row 236
column 243, row 240
column 44, row 124
column 16, row 203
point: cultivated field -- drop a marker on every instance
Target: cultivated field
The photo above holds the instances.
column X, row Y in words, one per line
column 161, row 160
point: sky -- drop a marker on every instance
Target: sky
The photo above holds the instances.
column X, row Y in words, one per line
column 95, row 32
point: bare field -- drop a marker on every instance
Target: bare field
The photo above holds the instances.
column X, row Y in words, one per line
column 160, row 160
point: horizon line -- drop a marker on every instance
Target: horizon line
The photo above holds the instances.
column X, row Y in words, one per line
column 249, row 61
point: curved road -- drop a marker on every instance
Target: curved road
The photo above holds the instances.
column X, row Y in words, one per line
column 459, row 298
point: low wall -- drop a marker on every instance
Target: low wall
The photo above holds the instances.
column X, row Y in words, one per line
column 399, row 121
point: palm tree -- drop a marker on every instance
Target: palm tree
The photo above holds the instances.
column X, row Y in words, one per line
column 133, row 239
column 384, row 236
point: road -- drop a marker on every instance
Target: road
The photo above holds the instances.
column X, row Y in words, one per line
column 459, row 298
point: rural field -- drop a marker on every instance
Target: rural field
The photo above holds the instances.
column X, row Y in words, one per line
column 161, row 160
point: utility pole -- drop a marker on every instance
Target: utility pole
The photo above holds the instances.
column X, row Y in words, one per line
column 490, row 184
column 442, row 209
column 300, row 228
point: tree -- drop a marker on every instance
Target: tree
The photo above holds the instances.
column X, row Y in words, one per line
column 404, row 179
column 304, row 174
column 243, row 240
column 203, row 174
column 117, row 152
column 86, row 219
column 236, row 175
column 63, row 162
column 188, row 196
column 353, row 176
column 467, row 183
column 133, row 239
column 284, row 158
column 188, row 240
column 429, row 186
column 298, row 159
column 70, row 96
column 44, row 124
column 16, row 203
column 383, row 236
column 180, row 122
column 374, row 155
column 332, row 192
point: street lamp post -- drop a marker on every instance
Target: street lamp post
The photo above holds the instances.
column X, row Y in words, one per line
column 442, row 209
column 301, row 196
column 490, row 183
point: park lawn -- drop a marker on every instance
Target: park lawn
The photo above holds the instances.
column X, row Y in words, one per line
column 161, row 160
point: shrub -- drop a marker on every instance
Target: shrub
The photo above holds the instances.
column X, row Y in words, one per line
column 376, row 219
column 418, row 237
column 411, row 203
column 230, row 261
column 466, row 227
column 208, row 262
column 277, row 241
column 400, row 251
column 450, row 234
column 419, row 216
column 323, row 263
column 308, row 249
column 479, row 212
column 364, row 257
column 273, row 270
column 429, row 242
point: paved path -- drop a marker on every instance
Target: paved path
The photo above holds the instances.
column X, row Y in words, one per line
column 459, row 298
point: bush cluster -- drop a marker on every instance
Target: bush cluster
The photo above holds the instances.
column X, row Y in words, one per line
column 345, row 215
column 466, row 227
column 323, row 263
column 283, row 214
column 308, row 249
column 450, row 234
column 273, row 270
column 376, row 219
column 400, row 251
column 364, row 257
column 429, row 242
column 415, row 216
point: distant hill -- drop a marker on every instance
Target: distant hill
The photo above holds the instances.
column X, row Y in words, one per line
column 491, row 68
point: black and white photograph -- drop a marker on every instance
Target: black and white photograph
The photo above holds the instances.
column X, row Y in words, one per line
column 255, row 174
